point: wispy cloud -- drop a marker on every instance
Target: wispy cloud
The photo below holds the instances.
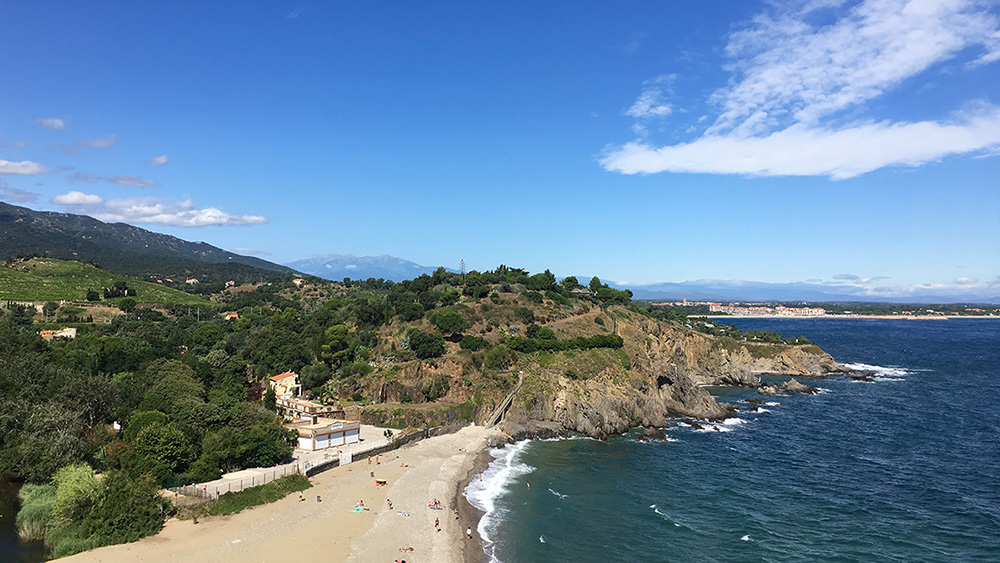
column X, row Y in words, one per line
column 22, row 168
column 296, row 12
column 53, row 123
column 792, row 80
column 160, row 211
column 251, row 252
column 96, row 144
column 13, row 145
column 158, row 160
column 132, row 181
column 652, row 102
column 15, row 195
column 83, row 177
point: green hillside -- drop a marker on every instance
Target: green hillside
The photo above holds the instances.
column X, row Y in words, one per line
column 45, row 279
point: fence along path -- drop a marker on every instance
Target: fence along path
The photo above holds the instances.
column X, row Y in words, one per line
column 239, row 480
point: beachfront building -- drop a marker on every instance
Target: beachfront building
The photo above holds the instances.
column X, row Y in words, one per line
column 321, row 433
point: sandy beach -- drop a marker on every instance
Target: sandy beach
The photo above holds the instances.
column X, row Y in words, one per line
column 323, row 527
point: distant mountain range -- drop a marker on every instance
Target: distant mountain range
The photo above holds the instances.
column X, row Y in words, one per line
column 121, row 248
column 337, row 267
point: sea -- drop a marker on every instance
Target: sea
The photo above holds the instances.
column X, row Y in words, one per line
column 903, row 468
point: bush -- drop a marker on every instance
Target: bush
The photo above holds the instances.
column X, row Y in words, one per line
column 499, row 358
column 473, row 343
column 599, row 320
column 425, row 345
column 35, row 516
column 525, row 315
column 451, row 322
column 534, row 297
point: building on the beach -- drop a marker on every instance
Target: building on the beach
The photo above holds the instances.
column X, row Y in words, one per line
column 286, row 384
column 319, row 433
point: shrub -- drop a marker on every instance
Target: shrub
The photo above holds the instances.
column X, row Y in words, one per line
column 499, row 358
column 473, row 343
column 599, row 320
column 425, row 345
column 525, row 315
column 534, row 297
column 35, row 516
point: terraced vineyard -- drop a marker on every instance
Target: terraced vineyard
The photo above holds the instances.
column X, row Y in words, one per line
column 43, row 279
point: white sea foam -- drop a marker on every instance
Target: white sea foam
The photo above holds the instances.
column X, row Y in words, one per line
column 495, row 481
column 541, row 539
column 560, row 495
column 746, row 538
column 880, row 371
column 762, row 409
column 664, row 515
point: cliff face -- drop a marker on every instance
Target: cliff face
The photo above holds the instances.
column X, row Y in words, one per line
column 668, row 364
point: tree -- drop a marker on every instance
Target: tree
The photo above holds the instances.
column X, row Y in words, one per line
column 77, row 489
column 270, row 399
column 166, row 444
column 22, row 315
column 49, row 309
column 425, row 344
column 127, row 305
column 129, row 509
column 93, row 295
column 595, row 284
column 337, row 347
column 451, row 322
column 570, row 282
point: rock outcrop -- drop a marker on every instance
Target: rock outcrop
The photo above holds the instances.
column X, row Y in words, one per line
column 669, row 365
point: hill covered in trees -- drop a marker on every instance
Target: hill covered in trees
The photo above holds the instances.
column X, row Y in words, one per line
column 121, row 248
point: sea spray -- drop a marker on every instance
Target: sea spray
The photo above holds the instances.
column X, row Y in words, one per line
column 484, row 491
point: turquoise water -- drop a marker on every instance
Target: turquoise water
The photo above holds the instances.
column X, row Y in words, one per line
column 906, row 468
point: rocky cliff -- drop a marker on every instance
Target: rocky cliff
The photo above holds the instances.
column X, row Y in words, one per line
column 667, row 365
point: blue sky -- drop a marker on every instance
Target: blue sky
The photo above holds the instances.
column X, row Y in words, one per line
column 838, row 143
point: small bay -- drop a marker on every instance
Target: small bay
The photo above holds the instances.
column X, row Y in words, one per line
column 903, row 468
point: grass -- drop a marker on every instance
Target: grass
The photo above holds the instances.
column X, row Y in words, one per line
column 44, row 279
column 231, row 503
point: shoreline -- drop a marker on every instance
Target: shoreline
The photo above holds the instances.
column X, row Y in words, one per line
column 323, row 525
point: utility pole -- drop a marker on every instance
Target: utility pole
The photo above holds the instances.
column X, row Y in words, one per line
column 461, row 266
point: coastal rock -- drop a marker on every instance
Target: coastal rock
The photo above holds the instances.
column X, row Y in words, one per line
column 667, row 366
column 755, row 401
column 793, row 386
column 653, row 434
column 770, row 389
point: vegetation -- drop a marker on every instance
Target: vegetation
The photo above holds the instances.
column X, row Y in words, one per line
column 233, row 502
column 188, row 386
column 43, row 279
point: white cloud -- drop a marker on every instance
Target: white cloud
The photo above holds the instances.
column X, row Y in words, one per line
column 793, row 79
column 22, row 168
column 132, row 181
column 53, row 123
column 77, row 198
column 158, row 160
column 163, row 211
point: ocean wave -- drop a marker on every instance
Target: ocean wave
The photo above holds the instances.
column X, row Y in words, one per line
column 560, row 495
column 880, row 371
column 493, row 483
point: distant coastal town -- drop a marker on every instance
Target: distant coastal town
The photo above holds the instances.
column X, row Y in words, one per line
column 852, row 310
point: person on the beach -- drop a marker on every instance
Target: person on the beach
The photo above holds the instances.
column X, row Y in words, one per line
column 468, row 533
column 456, row 514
